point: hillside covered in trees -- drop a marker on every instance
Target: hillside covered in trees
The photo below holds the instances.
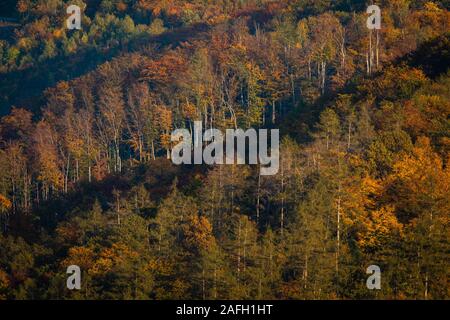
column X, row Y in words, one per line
column 86, row 179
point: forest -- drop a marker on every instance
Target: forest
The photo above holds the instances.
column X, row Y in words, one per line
column 86, row 177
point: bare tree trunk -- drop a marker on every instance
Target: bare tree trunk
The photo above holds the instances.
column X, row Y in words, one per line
column 244, row 249
column 319, row 81
column 338, row 240
column 66, row 175
column 37, row 193
column 258, row 195
column 118, row 207
column 282, row 199
column 273, row 111
column 292, row 88
column 26, row 191
column 239, row 252
column 140, row 149
column 153, row 150
column 305, row 272
column 377, row 49
column 215, row 282
column 13, row 196
column 367, row 64
column 203, row 284
column 259, row 287
column 370, row 52
column 309, row 69
column 343, row 54
column 77, row 164
column 118, row 158
column 323, row 76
